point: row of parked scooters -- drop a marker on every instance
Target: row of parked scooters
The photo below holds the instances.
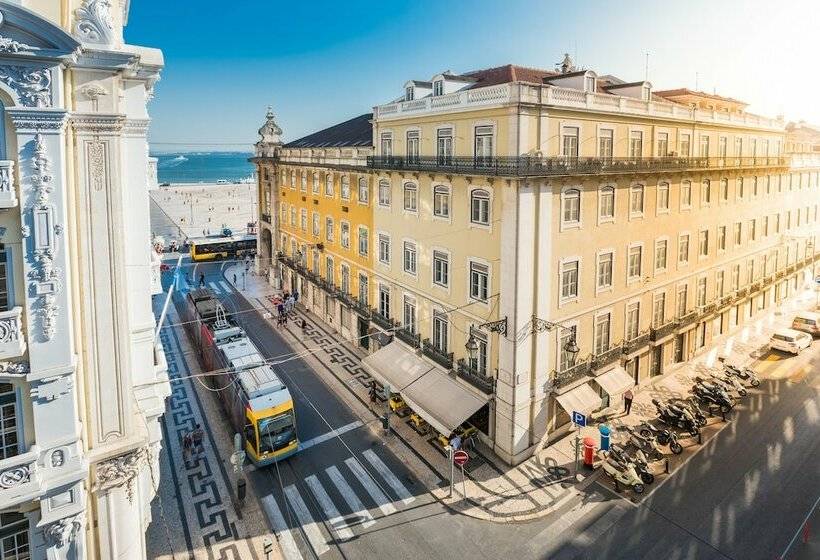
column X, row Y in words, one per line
column 629, row 464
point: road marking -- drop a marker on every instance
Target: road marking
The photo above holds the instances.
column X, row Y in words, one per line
column 225, row 287
column 356, row 506
column 289, row 549
column 329, row 435
column 334, row 518
column 214, row 287
column 370, row 486
column 311, row 528
column 388, row 475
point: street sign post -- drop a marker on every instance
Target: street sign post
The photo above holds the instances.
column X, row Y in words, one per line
column 579, row 418
column 460, row 458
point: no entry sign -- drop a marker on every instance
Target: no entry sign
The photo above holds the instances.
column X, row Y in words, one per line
column 460, row 458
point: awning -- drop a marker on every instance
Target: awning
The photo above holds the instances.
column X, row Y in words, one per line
column 615, row 381
column 395, row 365
column 442, row 401
column 582, row 399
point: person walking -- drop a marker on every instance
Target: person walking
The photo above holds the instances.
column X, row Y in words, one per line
column 234, row 279
column 186, row 446
column 197, row 436
column 304, row 326
column 201, row 279
column 628, row 396
column 373, row 397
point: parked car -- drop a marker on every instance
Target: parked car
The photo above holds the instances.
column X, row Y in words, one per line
column 807, row 322
column 790, row 340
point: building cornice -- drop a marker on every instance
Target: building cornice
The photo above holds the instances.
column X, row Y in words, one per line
column 45, row 121
column 97, row 123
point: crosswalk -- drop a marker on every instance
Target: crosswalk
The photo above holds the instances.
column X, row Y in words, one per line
column 331, row 505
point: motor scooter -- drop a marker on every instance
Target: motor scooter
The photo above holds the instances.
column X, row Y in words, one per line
column 664, row 436
column 648, row 445
column 746, row 373
column 730, row 383
column 677, row 416
column 710, row 394
column 638, row 460
column 623, row 473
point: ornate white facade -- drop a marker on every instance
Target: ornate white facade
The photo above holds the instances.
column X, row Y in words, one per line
column 82, row 383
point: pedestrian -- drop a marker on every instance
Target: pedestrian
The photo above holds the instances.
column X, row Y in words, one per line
column 280, row 308
column 295, row 297
column 628, row 396
column 201, row 279
column 372, row 393
column 234, row 279
column 196, row 440
column 304, row 326
column 186, row 446
column 455, row 442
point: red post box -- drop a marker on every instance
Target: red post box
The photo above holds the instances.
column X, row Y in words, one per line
column 589, row 452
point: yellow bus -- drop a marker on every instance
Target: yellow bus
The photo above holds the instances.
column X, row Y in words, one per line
column 211, row 248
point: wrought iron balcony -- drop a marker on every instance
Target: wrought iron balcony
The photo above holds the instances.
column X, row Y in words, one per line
column 361, row 307
column 706, row 310
column 609, row 356
column 19, row 478
column 780, row 274
column 755, row 286
column 12, row 338
column 409, row 338
column 725, row 301
column 742, row 292
column 444, row 359
column 639, row 341
column 381, row 320
column 689, row 318
column 579, row 370
column 657, row 333
column 531, row 166
column 345, row 298
column 475, row 378
column 8, row 194
column 265, row 218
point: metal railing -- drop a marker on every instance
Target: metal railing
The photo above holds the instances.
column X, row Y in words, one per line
column 475, row 378
column 571, row 374
column 361, row 307
column 381, row 320
column 266, row 218
column 657, row 333
column 519, row 166
column 639, row 341
column 409, row 338
column 609, row 356
column 444, row 359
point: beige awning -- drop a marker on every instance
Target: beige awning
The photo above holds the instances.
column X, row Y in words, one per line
column 395, row 365
column 581, row 399
column 615, row 381
column 442, row 401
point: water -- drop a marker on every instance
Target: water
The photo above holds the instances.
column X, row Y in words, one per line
column 203, row 167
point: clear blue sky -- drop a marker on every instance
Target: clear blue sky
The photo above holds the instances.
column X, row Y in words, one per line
column 318, row 63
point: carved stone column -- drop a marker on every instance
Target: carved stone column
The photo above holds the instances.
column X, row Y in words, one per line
column 119, row 505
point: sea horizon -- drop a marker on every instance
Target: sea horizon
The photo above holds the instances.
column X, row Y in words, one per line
column 203, row 166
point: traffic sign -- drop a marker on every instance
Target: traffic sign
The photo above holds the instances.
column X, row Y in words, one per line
column 578, row 418
column 460, row 458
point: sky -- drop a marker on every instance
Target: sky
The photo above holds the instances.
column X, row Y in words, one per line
column 319, row 63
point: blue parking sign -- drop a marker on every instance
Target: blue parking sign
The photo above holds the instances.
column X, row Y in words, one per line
column 578, row 418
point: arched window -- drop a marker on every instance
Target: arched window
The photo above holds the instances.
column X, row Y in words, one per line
column 329, row 184
column 315, row 182
column 480, row 207
column 441, row 201
column 606, row 203
column 364, row 190
column 636, row 200
column 705, row 192
column 384, row 192
column 293, row 179
column 345, row 189
column 303, row 186
column 571, row 206
column 410, row 197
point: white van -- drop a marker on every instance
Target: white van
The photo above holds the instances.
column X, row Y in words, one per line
column 807, row 322
column 789, row 340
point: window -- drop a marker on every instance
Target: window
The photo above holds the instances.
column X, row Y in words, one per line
column 682, row 303
column 384, row 301
column 330, row 276
column 315, row 186
column 384, row 192
column 755, row 191
column 605, row 143
column 283, row 212
column 293, row 180
column 571, row 203
column 387, row 144
column 722, row 148
column 569, row 280
column 303, row 182
column 646, row 92
column 410, row 197
column 440, row 331
column 441, row 268
column 317, row 226
column 660, row 254
column 409, row 314
column 635, row 144
column 685, row 145
column 633, row 320
column 345, row 235
column 345, row 275
column 765, row 226
column 409, row 257
column 604, row 273
column 364, row 292
column 408, row 93
column 566, row 358
column 659, row 309
column 384, row 248
column 683, row 249
column 9, row 446
column 703, row 243
column 444, row 146
column 750, row 271
column 316, row 263
column 704, row 146
column 705, row 192
column 721, row 239
column 686, row 194
column 479, row 281
column 735, row 277
column 14, row 543
column 663, row 144
column 345, row 188
column 479, row 362
column 701, row 293
column 777, row 223
column 663, row 197
column 724, row 190
column 602, row 324
column 768, row 180
column 438, row 87
column 483, row 144
column 329, row 229
column 739, row 188
column 413, row 139
column 441, row 201
column 589, row 84
column 303, row 219
column 363, row 241
column 569, row 142
column 738, row 233
column 606, row 204
column 753, row 229
column 364, row 190
column 634, row 262
column 719, row 277
column 738, row 147
column 328, row 184
column 636, row 200
column 480, row 207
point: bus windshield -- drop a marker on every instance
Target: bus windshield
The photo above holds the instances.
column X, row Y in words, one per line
column 276, row 432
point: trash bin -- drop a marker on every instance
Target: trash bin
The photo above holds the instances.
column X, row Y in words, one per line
column 604, row 430
column 589, row 452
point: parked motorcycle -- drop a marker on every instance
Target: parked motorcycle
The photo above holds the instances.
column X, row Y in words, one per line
column 663, row 436
column 746, row 374
column 676, row 416
column 647, row 445
column 638, row 460
column 730, row 383
column 710, row 394
column 624, row 473
column 691, row 404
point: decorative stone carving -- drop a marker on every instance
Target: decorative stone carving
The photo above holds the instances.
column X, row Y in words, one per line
column 9, row 330
column 94, row 22
column 61, row 532
column 15, row 476
column 52, row 388
column 14, row 368
column 270, row 136
column 96, row 164
column 32, row 85
column 11, row 46
column 6, row 176
column 93, row 91
column 25, row 231
column 57, row 458
column 121, row 471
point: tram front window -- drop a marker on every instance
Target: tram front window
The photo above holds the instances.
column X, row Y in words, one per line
column 276, row 432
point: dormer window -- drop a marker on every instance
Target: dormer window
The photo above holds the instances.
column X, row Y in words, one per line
column 408, row 93
column 646, row 92
column 438, row 87
column 589, row 84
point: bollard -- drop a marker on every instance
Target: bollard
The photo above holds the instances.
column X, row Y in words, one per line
column 241, row 488
column 604, row 430
column 666, row 467
column 700, row 438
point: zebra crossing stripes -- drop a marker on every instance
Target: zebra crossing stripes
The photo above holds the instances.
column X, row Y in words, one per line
column 334, row 518
column 359, row 511
column 309, row 526
column 283, row 535
column 388, row 476
column 370, row 486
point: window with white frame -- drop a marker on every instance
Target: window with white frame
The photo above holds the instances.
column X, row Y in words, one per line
column 738, row 233
column 409, row 314
column 440, row 334
column 9, row 444
column 329, row 184
column 483, row 144
column 444, row 145
column 478, row 361
column 571, row 206
column 14, row 536
column 411, row 197
column 605, row 141
column 315, row 186
column 317, row 226
column 602, row 326
column 364, row 241
column 293, row 180
column 345, row 187
column 408, row 93
column 703, row 243
column 663, row 144
column 636, row 200
column 589, row 84
column 739, row 188
column 387, row 144
column 735, row 277
column 384, row 248
column 606, row 204
column 634, row 262
column 316, row 268
column 685, row 145
column 410, row 257
column 384, row 301
column 722, row 147
column 682, row 304
column 724, row 190
column 683, row 249
column 719, row 283
column 441, row 201
column 658, row 309
column 661, row 247
column 663, row 197
column 753, row 228
column 344, row 235
column 441, row 268
column 701, row 292
column 635, row 144
column 329, row 233
column 364, row 190
column 413, row 142
column 565, row 360
column 384, row 192
column 721, row 238
column 755, row 186
column 364, row 291
column 569, row 142
column 646, row 92
column 479, row 281
column 344, row 271
column 330, row 274
column 705, row 192
column 633, row 320
column 704, row 146
column 303, row 182
column 569, row 280
column 303, row 219
column 604, row 272
column 686, row 194
column 480, row 207
column 438, row 87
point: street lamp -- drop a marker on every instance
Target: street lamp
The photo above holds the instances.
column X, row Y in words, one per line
column 571, row 348
column 472, row 347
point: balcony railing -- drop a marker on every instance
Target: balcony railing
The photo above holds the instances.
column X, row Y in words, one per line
column 528, row 166
column 409, row 338
column 444, row 359
column 12, row 339
column 657, row 333
column 742, row 292
column 361, row 307
column 688, row 319
column 571, row 374
column 8, row 194
column 609, row 356
column 755, row 286
column 19, row 478
column 475, row 378
column 639, row 341
column 266, row 218
column 381, row 320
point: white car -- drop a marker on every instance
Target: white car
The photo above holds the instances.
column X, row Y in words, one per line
column 807, row 322
column 790, row 340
